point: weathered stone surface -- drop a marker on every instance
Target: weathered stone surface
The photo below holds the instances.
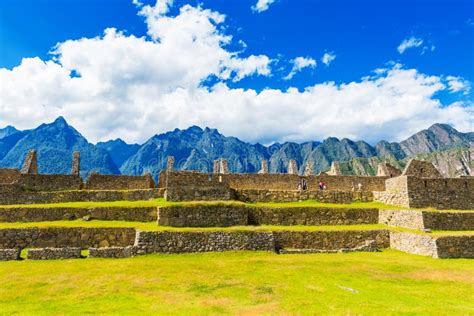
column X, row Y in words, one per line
column 59, row 237
column 330, row 240
column 308, row 169
column 112, row 252
column 326, row 196
column 30, row 166
column 10, row 254
column 9, row 176
column 402, row 218
column 264, row 168
column 421, row 169
column 311, row 216
column 54, row 253
column 182, row 242
column 11, row 194
column 335, row 169
column 413, row 243
column 216, row 166
column 33, row 214
column 385, row 169
column 170, row 163
column 224, row 166
column 76, row 163
column 367, row 246
column 202, row 215
column 455, row 246
column 292, row 167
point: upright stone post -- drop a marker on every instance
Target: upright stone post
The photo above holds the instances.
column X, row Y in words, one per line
column 224, row 167
column 335, row 169
column 264, row 169
column 170, row 163
column 76, row 163
column 292, row 167
column 30, row 166
column 216, row 166
column 308, row 170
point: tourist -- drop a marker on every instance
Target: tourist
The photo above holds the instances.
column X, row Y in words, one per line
column 359, row 186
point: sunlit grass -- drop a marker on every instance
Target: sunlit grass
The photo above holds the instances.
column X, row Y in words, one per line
column 255, row 283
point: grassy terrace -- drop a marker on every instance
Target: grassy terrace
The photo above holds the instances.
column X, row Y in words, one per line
column 163, row 202
column 152, row 226
column 240, row 283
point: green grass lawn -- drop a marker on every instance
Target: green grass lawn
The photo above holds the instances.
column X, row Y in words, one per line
column 163, row 202
column 387, row 282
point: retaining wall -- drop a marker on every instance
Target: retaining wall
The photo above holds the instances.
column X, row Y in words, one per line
column 311, row 216
column 59, row 237
column 326, row 196
column 8, row 176
column 455, row 246
column 11, row 195
column 202, row 215
column 49, row 182
column 36, row 214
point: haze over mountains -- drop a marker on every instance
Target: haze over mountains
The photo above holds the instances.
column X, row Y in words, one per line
column 196, row 148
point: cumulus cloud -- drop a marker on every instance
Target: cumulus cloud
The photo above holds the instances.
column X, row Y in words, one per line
column 328, row 58
column 299, row 63
column 409, row 43
column 262, row 5
column 458, row 84
column 133, row 87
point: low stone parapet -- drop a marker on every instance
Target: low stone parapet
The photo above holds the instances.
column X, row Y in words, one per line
column 9, row 254
column 54, row 253
column 112, row 252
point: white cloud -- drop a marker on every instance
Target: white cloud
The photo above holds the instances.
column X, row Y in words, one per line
column 328, row 58
column 262, row 5
column 300, row 63
column 409, row 43
column 133, row 87
column 458, row 84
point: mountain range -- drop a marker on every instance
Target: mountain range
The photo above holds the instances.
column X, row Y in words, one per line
column 195, row 148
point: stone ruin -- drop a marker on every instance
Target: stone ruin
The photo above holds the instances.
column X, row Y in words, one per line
column 308, row 170
column 76, row 163
column 385, row 169
column 30, row 166
column 292, row 167
column 420, row 186
column 335, row 169
column 170, row 163
column 264, row 168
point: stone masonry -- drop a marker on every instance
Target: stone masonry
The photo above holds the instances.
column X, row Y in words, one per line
column 385, row 169
column 54, row 253
column 292, row 167
column 76, row 163
column 30, row 166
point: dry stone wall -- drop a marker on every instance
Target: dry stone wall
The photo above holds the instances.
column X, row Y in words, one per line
column 202, row 215
column 49, row 182
column 54, row 253
column 9, row 176
column 14, row 195
column 39, row 214
column 418, row 244
column 325, row 196
column 60, row 237
column 455, row 246
column 112, row 252
column 330, row 240
column 9, row 254
column 311, row 216
column 182, row 242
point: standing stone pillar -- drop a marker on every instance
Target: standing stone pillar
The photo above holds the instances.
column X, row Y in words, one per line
column 308, row 170
column 170, row 163
column 224, row 166
column 335, row 169
column 264, row 169
column 216, row 166
column 292, row 167
column 30, row 166
column 76, row 163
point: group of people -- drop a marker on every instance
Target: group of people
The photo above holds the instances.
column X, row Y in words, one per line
column 303, row 185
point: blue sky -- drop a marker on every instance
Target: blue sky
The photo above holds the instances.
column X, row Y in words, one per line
column 362, row 36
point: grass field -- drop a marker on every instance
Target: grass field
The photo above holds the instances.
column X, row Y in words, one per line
column 387, row 282
column 163, row 202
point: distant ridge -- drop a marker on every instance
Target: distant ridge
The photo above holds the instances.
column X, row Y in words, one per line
column 195, row 148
